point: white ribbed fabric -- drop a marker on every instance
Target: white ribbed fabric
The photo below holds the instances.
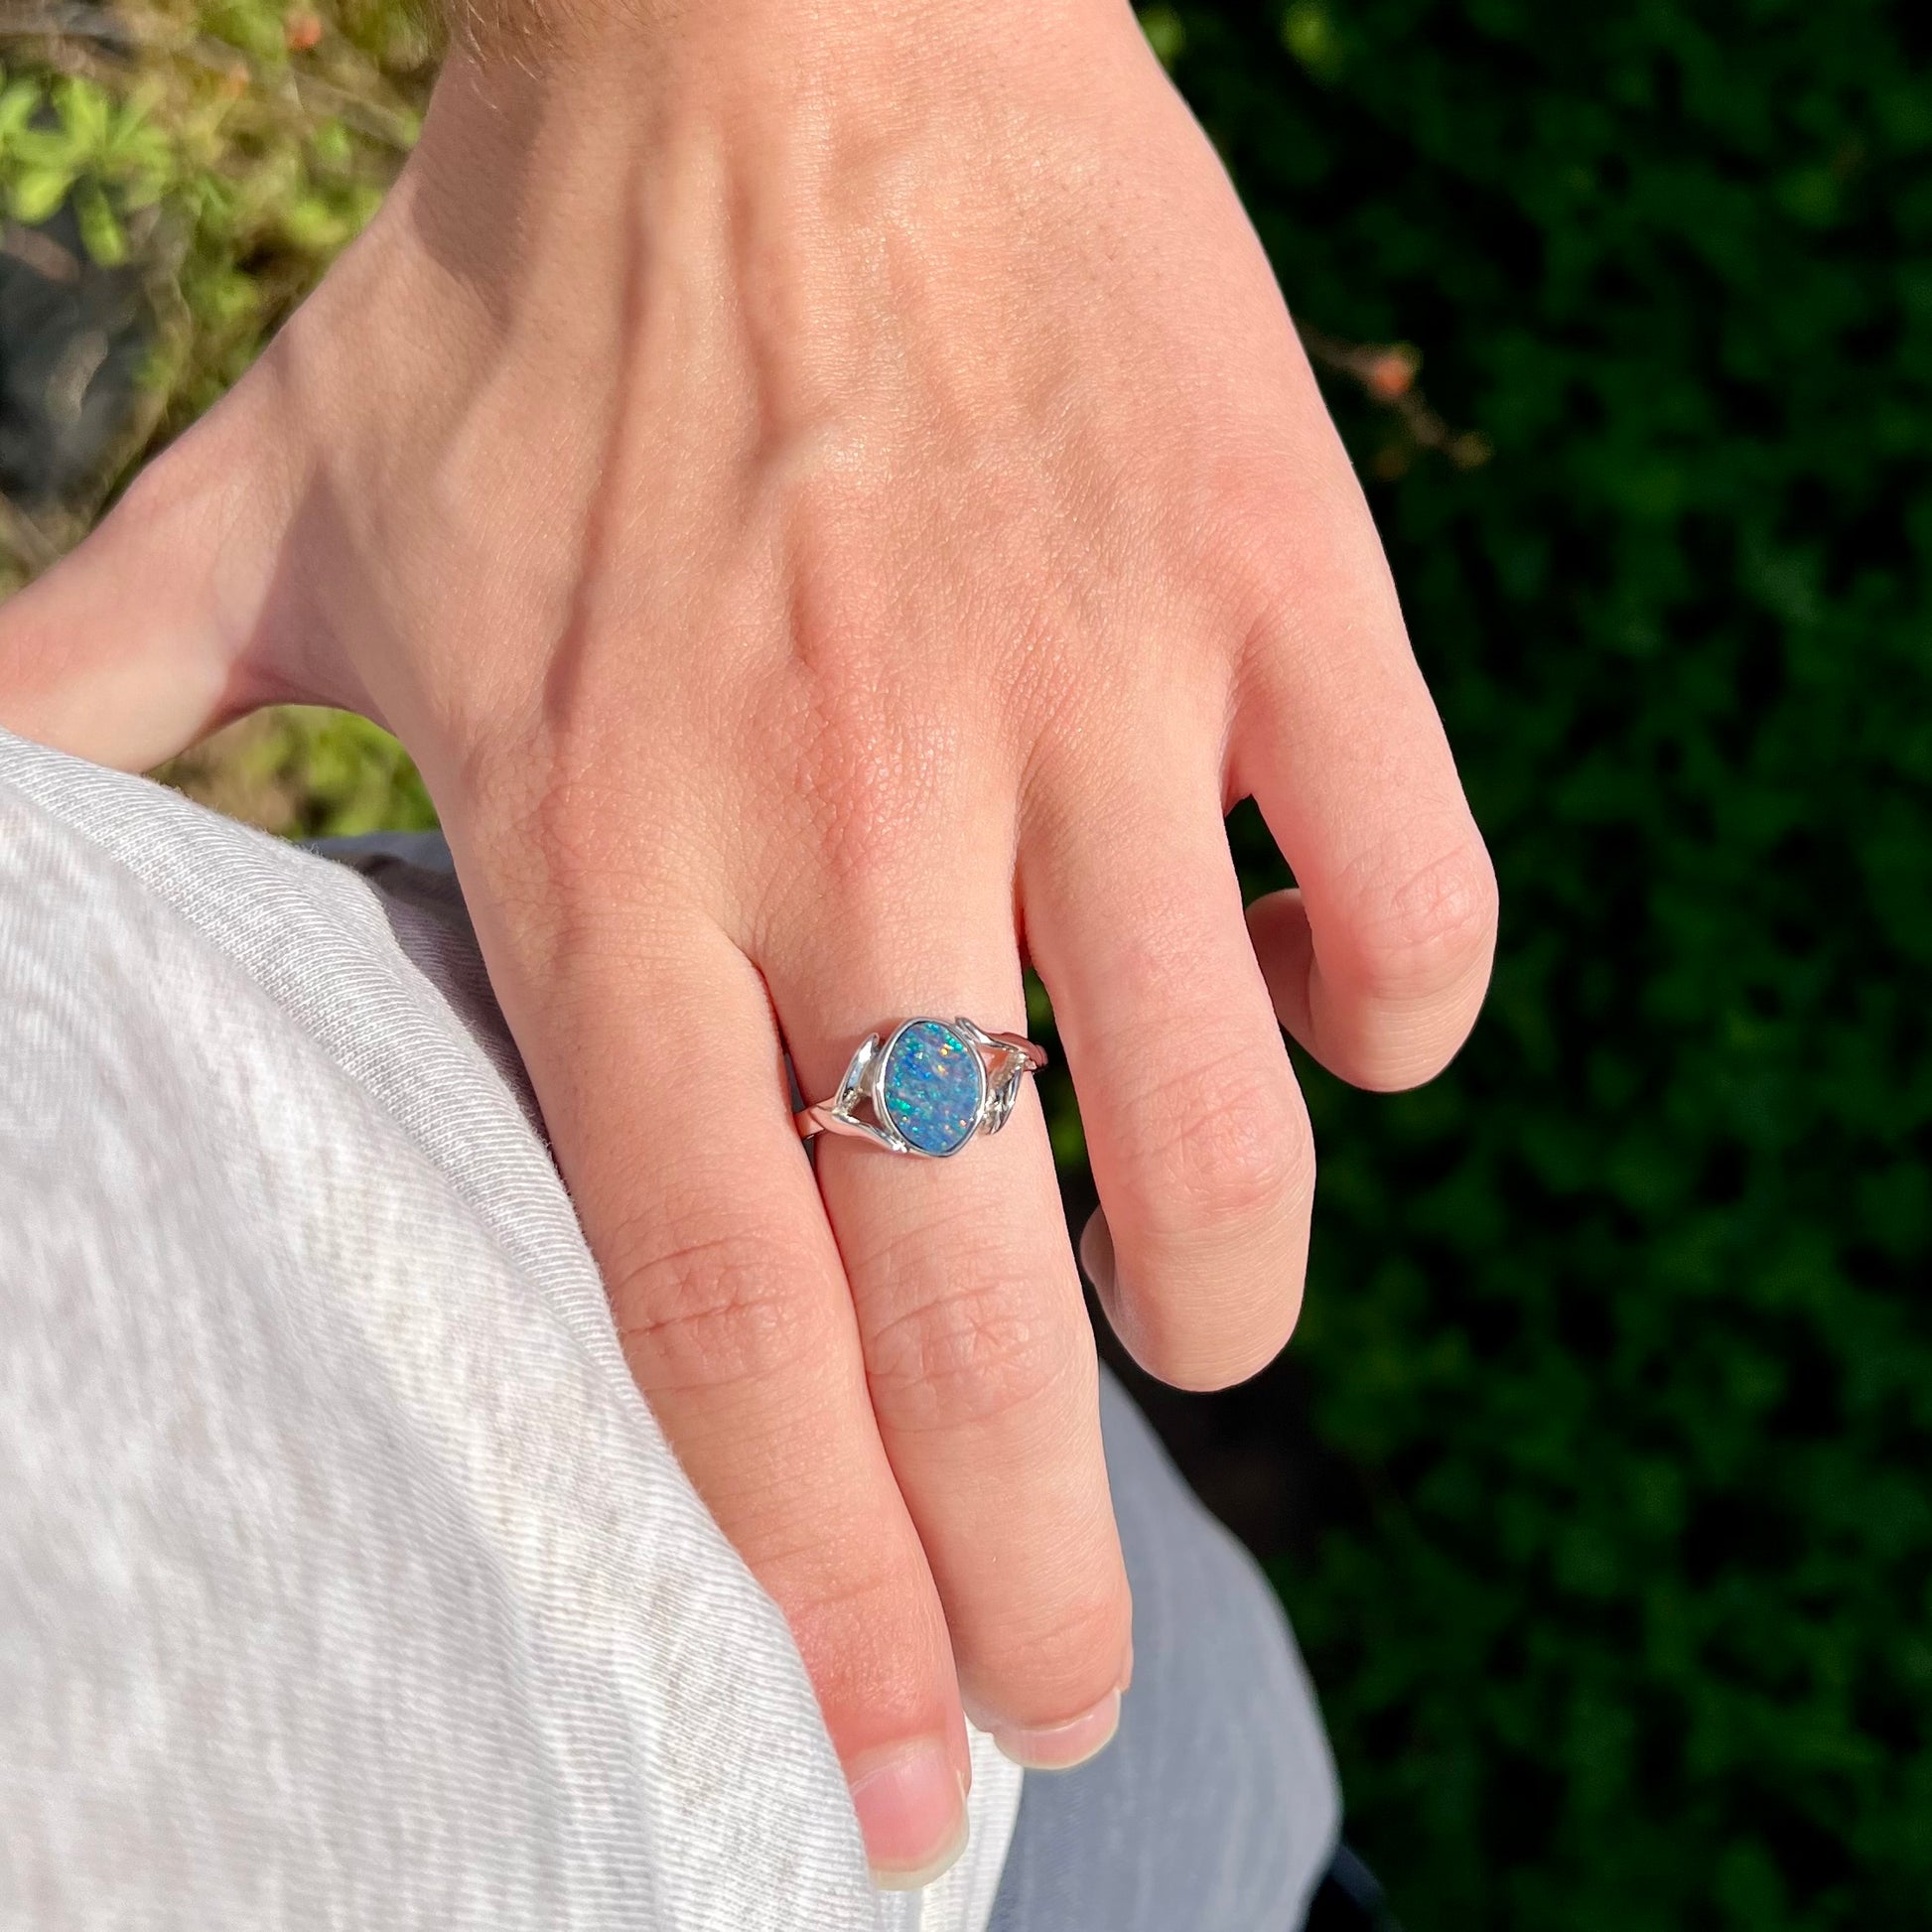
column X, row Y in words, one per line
column 344, row 1579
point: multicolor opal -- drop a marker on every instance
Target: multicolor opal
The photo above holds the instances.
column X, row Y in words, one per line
column 931, row 1086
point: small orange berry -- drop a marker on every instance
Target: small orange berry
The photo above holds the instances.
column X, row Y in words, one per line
column 1390, row 374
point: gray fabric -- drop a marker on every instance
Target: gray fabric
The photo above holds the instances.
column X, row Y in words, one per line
column 344, row 1579
column 1215, row 1809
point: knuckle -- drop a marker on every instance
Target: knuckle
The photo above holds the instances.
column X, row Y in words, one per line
column 1437, row 928
column 865, row 1631
column 857, row 785
column 1060, row 1662
column 863, row 755
column 981, row 1339
column 861, row 780
column 1226, row 1145
column 1213, row 1252
column 837, row 1590
column 707, row 1309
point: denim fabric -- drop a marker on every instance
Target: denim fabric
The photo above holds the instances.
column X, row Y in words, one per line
column 1215, row 1809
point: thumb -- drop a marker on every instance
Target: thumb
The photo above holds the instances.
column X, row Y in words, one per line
column 160, row 627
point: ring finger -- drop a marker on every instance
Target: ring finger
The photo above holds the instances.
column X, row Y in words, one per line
column 978, row 1351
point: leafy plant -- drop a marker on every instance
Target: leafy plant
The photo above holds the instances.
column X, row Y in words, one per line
column 307, row 773
column 225, row 149
column 1621, row 1595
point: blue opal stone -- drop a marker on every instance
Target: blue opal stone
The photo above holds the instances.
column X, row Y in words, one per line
column 932, row 1086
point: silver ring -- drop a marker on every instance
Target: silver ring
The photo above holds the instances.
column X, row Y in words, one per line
column 928, row 1088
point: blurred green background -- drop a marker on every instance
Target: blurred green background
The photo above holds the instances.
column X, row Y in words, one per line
column 1596, row 1479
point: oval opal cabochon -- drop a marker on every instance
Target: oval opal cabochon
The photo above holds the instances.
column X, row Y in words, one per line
column 932, row 1086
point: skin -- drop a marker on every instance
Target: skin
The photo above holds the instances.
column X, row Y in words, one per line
column 834, row 502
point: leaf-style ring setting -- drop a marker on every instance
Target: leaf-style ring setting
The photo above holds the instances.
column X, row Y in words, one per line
column 927, row 1088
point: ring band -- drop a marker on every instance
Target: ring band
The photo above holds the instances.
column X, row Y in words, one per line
column 927, row 1088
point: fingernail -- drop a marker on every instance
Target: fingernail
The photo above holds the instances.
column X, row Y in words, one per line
column 1058, row 1747
column 1097, row 1252
column 913, row 1813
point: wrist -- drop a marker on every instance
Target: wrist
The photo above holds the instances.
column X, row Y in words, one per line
column 588, row 90
column 634, row 43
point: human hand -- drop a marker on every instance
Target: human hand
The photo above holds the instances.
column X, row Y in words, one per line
column 834, row 503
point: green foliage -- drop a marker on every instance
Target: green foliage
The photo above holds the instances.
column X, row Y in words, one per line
column 230, row 148
column 1620, row 1334
column 308, row 773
